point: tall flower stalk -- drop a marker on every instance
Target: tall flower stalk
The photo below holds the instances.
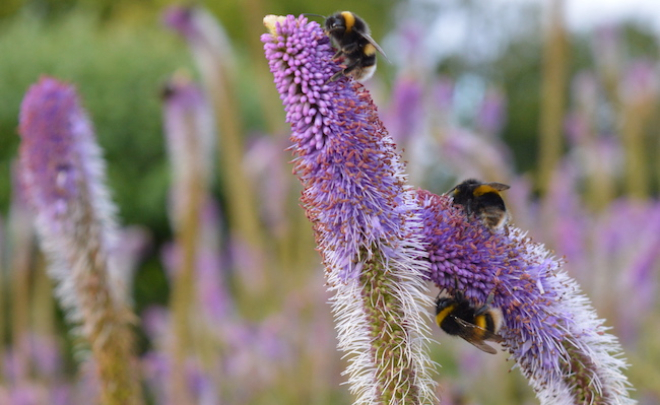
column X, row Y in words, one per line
column 364, row 216
column 189, row 135
column 63, row 176
column 555, row 54
column 550, row 328
column 211, row 50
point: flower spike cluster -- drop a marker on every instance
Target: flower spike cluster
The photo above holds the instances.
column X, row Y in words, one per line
column 550, row 328
column 369, row 233
column 62, row 173
column 366, row 220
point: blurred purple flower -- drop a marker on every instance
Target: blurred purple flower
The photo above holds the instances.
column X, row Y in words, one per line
column 132, row 244
column 640, row 83
column 155, row 321
column 156, row 369
column 473, row 156
column 626, row 258
column 205, row 36
column 27, row 394
column 60, row 395
column 443, row 94
column 263, row 164
column 550, row 328
column 189, row 132
column 564, row 217
column 607, row 47
column 492, row 112
column 363, row 214
column 406, row 112
column 63, row 174
column 211, row 292
column 46, row 356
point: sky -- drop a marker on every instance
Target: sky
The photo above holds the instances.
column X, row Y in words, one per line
column 588, row 14
column 480, row 29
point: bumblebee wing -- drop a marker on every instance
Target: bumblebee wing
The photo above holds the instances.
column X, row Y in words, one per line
column 476, row 336
column 375, row 44
column 498, row 186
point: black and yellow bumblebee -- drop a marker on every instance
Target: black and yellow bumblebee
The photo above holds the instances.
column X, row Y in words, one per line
column 458, row 317
column 483, row 200
column 351, row 36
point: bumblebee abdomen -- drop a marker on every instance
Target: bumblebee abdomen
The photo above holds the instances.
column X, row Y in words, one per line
column 494, row 217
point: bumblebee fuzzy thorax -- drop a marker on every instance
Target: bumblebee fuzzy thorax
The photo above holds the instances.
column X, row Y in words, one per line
column 483, row 201
column 356, row 50
column 344, row 23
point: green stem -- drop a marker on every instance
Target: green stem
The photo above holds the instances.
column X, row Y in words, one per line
column 553, row 96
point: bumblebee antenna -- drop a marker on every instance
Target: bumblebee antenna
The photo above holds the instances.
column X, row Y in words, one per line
column 314, row 15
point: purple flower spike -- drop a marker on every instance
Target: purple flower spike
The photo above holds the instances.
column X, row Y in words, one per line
column 550, row 328
column 365, row 218
column 190, row 142
column 62, row 173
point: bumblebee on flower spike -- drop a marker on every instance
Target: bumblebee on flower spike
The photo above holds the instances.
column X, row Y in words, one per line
column 483, row 200
column 351, row 36
column 457, row 316
column 380, row 247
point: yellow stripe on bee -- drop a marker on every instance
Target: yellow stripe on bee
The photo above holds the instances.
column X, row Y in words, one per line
column 484, row 189
column 443, row 314
column 369, row 50
column 350, row 20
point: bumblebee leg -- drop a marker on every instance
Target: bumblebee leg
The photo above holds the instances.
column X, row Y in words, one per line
column 484, row 308
column 338, row 55
column 348, row 69
column 350, row 48
column 335, row 76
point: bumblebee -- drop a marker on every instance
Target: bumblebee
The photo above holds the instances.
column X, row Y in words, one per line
column 458, row 317
column 351, row 36
column 483, row 200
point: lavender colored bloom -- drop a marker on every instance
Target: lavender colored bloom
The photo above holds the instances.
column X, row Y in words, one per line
column 46, row 356
column 474, row 156
column 63, row 177
column 640, row 84
column 492, row 112
column 407, row 110
column 213, row 56
column 443, row 94
column 263, row 164
column 190, row 141
column 213, row 298
column 364, row 216
column 550, row 328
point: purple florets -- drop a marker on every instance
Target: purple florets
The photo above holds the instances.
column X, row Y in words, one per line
column 300, row 59
column 549, row 326
column 52, row 127
column 368, row 227
column 345, row 159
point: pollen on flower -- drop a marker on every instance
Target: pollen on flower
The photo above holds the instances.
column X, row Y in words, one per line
column 271, row 21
